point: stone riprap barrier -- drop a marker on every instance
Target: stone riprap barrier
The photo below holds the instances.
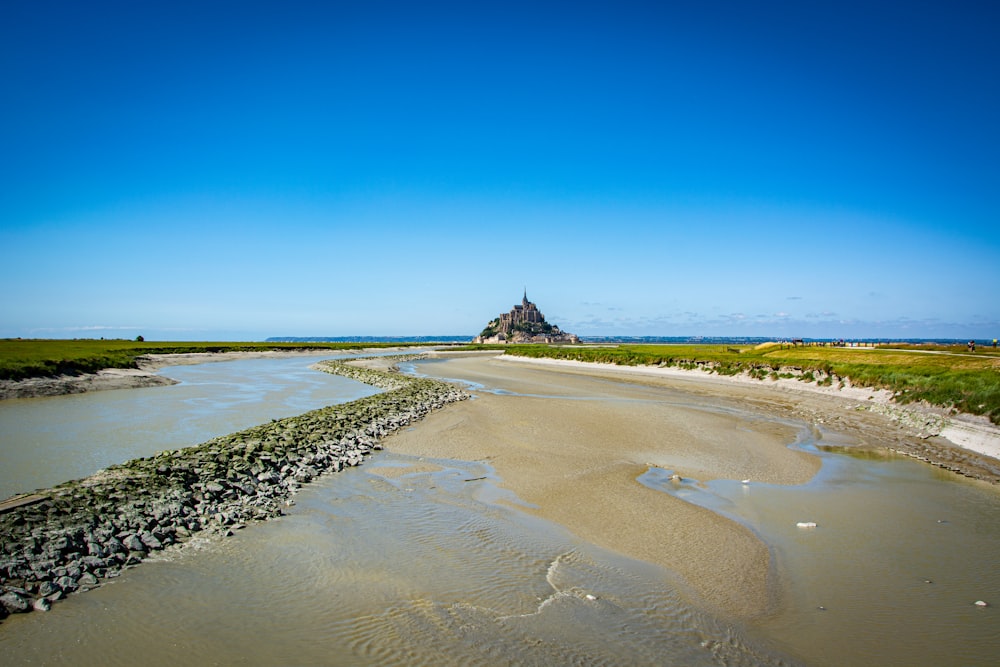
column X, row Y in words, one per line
column 71, row 537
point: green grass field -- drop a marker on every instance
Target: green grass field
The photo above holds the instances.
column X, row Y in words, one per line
column 949, row 377
column 944, row 376
column 24, row 358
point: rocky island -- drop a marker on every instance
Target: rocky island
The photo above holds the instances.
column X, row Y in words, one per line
column 523, row 324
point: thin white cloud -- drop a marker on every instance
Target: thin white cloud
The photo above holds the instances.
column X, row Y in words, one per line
column 88, row 327
column 825, row 324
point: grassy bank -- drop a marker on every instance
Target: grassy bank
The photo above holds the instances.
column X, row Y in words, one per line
column 949, row 377
column 24, row 358
column 945, row 376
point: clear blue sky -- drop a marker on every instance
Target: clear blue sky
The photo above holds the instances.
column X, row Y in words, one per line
column 238, row 170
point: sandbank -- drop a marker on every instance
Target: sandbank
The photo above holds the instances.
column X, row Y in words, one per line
column 574, row 441
column 574, row 456
column 920, row 421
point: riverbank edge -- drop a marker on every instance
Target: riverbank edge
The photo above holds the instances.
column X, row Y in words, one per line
column 965, row 444
column 75, row 536
column 146, row 373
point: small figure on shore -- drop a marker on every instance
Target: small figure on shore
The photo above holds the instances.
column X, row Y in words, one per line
column 972, row 346
column 994, row 343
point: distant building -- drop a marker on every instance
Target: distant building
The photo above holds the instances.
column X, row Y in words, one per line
column 523, row 324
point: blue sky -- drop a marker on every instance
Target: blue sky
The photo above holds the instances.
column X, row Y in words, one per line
column 239, row 170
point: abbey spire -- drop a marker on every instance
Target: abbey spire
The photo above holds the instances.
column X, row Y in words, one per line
column 523, row 324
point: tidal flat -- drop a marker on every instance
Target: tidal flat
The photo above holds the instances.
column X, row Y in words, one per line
column 710, row 480
column 578, row 516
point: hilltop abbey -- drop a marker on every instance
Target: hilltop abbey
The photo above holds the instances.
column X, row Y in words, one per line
column 523, row 324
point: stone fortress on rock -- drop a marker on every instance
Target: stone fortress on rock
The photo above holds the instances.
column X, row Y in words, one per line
column 523, row 324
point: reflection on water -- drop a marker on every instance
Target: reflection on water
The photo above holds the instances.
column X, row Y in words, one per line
column 46, row 441
column 376, row 566
column 900, row 553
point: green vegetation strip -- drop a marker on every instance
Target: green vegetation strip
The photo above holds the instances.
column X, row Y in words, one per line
column 27, row 358
column 947, row 377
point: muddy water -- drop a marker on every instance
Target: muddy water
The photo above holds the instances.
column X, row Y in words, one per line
column 46, row 441
column 890, row 573
column 395, row 563
column 410, row 562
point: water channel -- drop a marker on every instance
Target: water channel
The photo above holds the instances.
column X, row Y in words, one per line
column 46, row 441
column 401, row 562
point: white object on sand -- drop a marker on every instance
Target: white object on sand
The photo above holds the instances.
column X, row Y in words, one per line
column 806, row 524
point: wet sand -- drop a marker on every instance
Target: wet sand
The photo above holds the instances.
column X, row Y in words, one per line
column 423, row 567
column 576, row 460
column 573, row 444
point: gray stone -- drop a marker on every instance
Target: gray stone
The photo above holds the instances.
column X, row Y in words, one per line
column 47, row 588
column 14, row 603
column 93, row 562
column 115, row 546
column 134, row 543
column 87, row 579
column 58, row 544
column 66, row 584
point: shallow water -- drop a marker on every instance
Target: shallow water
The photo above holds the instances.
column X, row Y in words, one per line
column 409, row 562
column 373, row 567
column 890, row 574
column 49, row 440
column 854, row 590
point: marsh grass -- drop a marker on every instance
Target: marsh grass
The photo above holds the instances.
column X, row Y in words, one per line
column 945, row 376
column 25, row 358
column 949, row 377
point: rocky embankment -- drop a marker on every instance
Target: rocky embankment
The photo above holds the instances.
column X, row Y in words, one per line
column 75, row 535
